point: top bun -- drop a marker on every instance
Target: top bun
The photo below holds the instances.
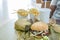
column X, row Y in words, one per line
column 39, row 26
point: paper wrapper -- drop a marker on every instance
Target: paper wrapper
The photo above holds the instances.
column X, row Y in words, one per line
column 55, row 30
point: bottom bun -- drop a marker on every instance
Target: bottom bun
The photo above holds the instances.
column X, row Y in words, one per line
column 38, row 37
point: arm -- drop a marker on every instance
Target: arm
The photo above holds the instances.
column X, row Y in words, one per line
column 53, row 7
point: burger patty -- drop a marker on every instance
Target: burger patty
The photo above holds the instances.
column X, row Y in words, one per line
column 39, row 33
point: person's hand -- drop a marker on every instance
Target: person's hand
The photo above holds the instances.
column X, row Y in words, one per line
column 52, row 21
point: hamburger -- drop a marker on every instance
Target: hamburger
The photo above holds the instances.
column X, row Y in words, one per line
column 39, row 29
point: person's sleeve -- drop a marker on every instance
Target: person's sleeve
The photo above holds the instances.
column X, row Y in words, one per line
column 53, row 2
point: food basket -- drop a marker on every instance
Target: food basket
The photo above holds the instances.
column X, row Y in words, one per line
column 33, row 12
column 21, row 13
column 22, row 34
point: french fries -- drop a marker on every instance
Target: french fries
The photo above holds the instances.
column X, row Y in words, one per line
column 34, row 11
column 22, row 12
